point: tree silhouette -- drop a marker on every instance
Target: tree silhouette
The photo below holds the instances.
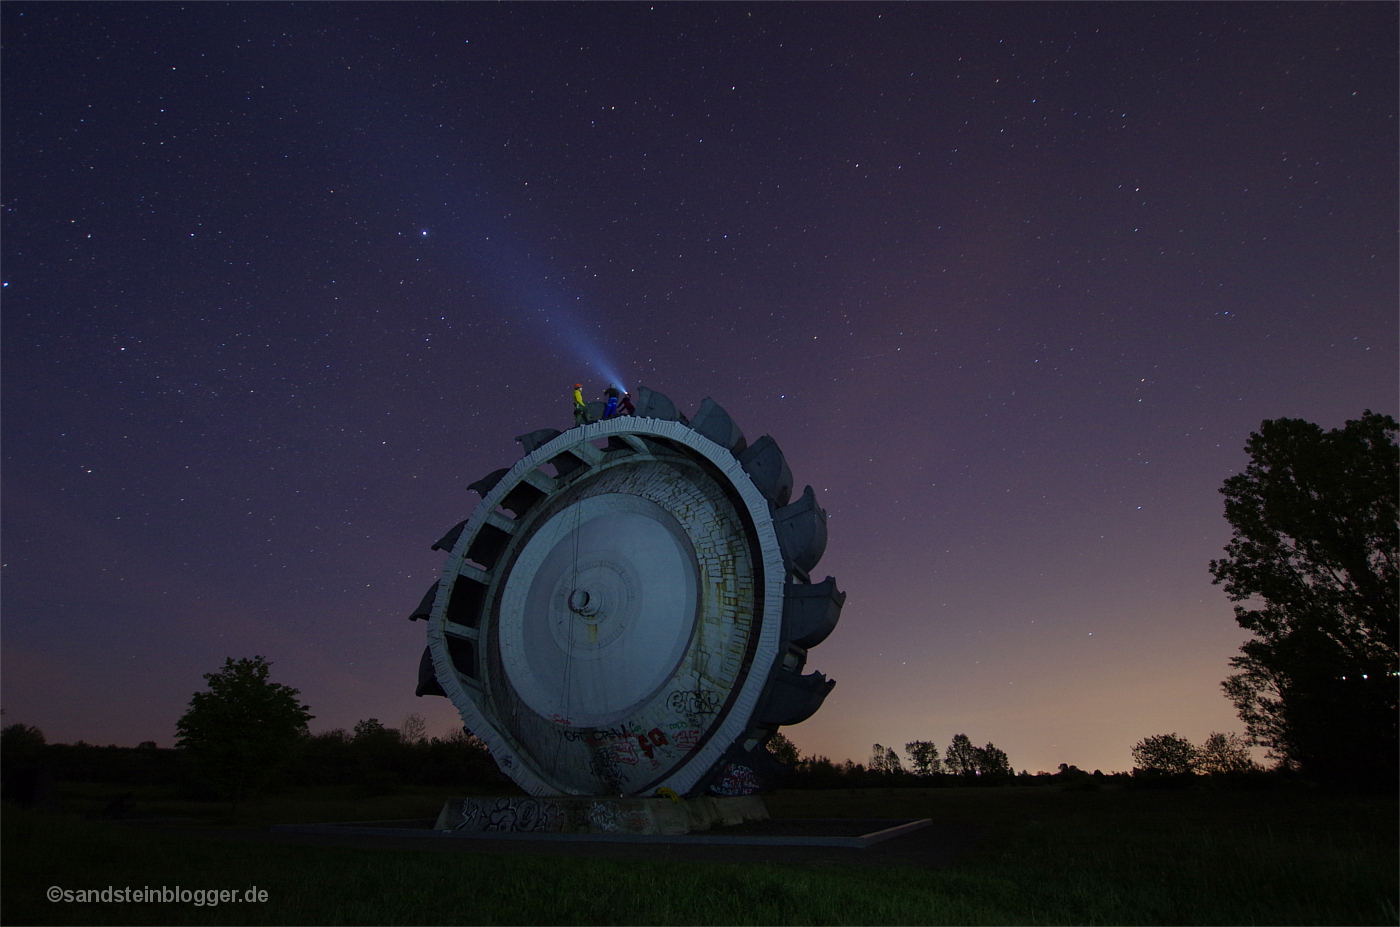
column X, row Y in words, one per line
column 373, row 730
column 961, row 757
column 783, row 749
column 885, row 760
column 244, row 728
column 415, row 729
column 923, row 756
column 21, row 740
column 1313, row 558
column 992, row 762
column 1167, row 754
column 1223, row 754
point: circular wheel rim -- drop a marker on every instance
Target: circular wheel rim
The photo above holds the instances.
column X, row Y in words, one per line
column 637, row 755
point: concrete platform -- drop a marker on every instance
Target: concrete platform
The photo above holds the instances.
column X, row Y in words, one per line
column 597, row 814
column 844, row 833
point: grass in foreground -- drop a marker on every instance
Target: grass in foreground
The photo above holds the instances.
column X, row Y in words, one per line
column 1119, row 857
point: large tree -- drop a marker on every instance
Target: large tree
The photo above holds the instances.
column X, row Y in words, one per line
column 961, row 758
column 923, row 754
column 1224, row 754
column 243, row 728
column 992, row 762
column 1313, row 564
column 885, row 760
column 1168, row 754
column 782, row 749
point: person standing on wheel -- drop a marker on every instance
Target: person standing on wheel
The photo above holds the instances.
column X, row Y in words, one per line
column 579, row 407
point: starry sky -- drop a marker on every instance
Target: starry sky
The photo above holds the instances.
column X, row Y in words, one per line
column 1009, row 284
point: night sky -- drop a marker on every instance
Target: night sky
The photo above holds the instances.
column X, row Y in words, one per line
column 1009, row 284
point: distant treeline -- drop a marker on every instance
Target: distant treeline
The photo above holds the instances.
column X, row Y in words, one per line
column 372, row 757
column 822, row 773
column 381, row 760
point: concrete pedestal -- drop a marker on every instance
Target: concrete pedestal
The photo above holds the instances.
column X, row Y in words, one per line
column 597, row 815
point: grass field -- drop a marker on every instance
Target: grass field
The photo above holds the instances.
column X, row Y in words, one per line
column 1049, row 856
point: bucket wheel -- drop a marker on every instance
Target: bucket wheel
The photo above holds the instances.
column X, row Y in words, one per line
column 629, row 607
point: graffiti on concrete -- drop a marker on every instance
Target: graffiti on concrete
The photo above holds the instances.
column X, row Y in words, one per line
column 518, row 815
column 611, row 817
column 737, row 780
column 549, row 816
column 694, row 703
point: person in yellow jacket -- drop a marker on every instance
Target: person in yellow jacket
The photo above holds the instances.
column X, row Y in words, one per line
column 579, row 407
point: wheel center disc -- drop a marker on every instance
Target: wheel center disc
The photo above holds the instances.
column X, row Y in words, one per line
column 590, row 610
column 598, row 609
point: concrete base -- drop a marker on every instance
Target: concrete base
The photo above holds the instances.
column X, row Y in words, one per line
column 600, row 815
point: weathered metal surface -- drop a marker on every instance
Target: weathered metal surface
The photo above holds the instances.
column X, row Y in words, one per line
column 427, row 679
column 534, row 439
column 651, row 404
column 449, row 540
column 627, row 609
column 793, row 698
column 802, row 531
column 810, row 612
column 764, row 462
column 714, row 423
column 488, row 482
